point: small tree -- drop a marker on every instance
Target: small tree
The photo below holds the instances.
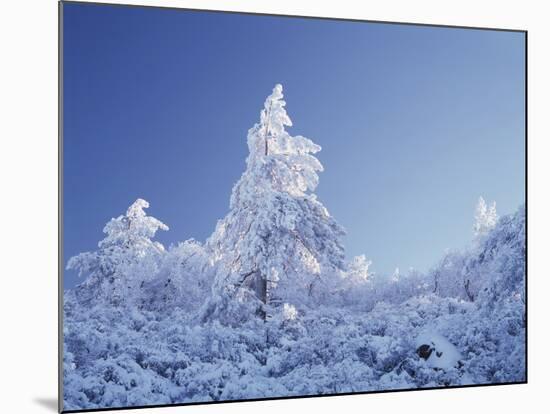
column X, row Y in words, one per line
column 485, row 217
column 356, row 285
column 278, row 242
column 358, row 269
column 184, row 279
column 126, row 257
column 448, row 278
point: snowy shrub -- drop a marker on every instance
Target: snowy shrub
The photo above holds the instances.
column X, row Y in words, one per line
column 184, row 279
column 145, row 357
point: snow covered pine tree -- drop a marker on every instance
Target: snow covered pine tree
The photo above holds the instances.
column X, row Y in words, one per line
column 278, row 243
column 126, row 258
column 485, row 218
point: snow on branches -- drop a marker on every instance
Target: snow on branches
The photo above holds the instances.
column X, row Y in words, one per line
column 126, row 257
column 278, row 243
column 485, row 217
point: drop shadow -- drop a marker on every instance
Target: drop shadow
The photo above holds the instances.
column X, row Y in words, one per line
column 49, row 403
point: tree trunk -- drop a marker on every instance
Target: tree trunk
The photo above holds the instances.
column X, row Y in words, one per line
column 266, row 133
column 262, row 294
column 467, row 289
column 258, row 284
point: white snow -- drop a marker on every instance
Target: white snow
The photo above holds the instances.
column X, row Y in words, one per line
column 444, row 354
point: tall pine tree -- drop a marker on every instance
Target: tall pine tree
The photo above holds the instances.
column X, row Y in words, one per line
column 278, row 243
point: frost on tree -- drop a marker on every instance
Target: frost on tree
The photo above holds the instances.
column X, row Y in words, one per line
column 356, row 284
column 358, row 269
column 278, row 243
column 485, row 217
column 184, row 279
column 126, row 258
column 399, row 334
column 469, row 274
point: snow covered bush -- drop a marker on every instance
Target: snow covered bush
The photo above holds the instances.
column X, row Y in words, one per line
column 184, row 279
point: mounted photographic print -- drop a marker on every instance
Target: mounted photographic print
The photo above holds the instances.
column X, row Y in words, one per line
column 259, row 206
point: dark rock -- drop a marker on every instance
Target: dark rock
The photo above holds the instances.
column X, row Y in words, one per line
column 424, row 351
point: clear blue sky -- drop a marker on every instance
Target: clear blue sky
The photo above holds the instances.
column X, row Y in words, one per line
column 415, row 122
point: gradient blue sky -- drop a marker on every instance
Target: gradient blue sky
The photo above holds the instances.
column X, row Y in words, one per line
column 415, row 122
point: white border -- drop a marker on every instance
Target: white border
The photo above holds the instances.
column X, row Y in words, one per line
column 28, row 171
